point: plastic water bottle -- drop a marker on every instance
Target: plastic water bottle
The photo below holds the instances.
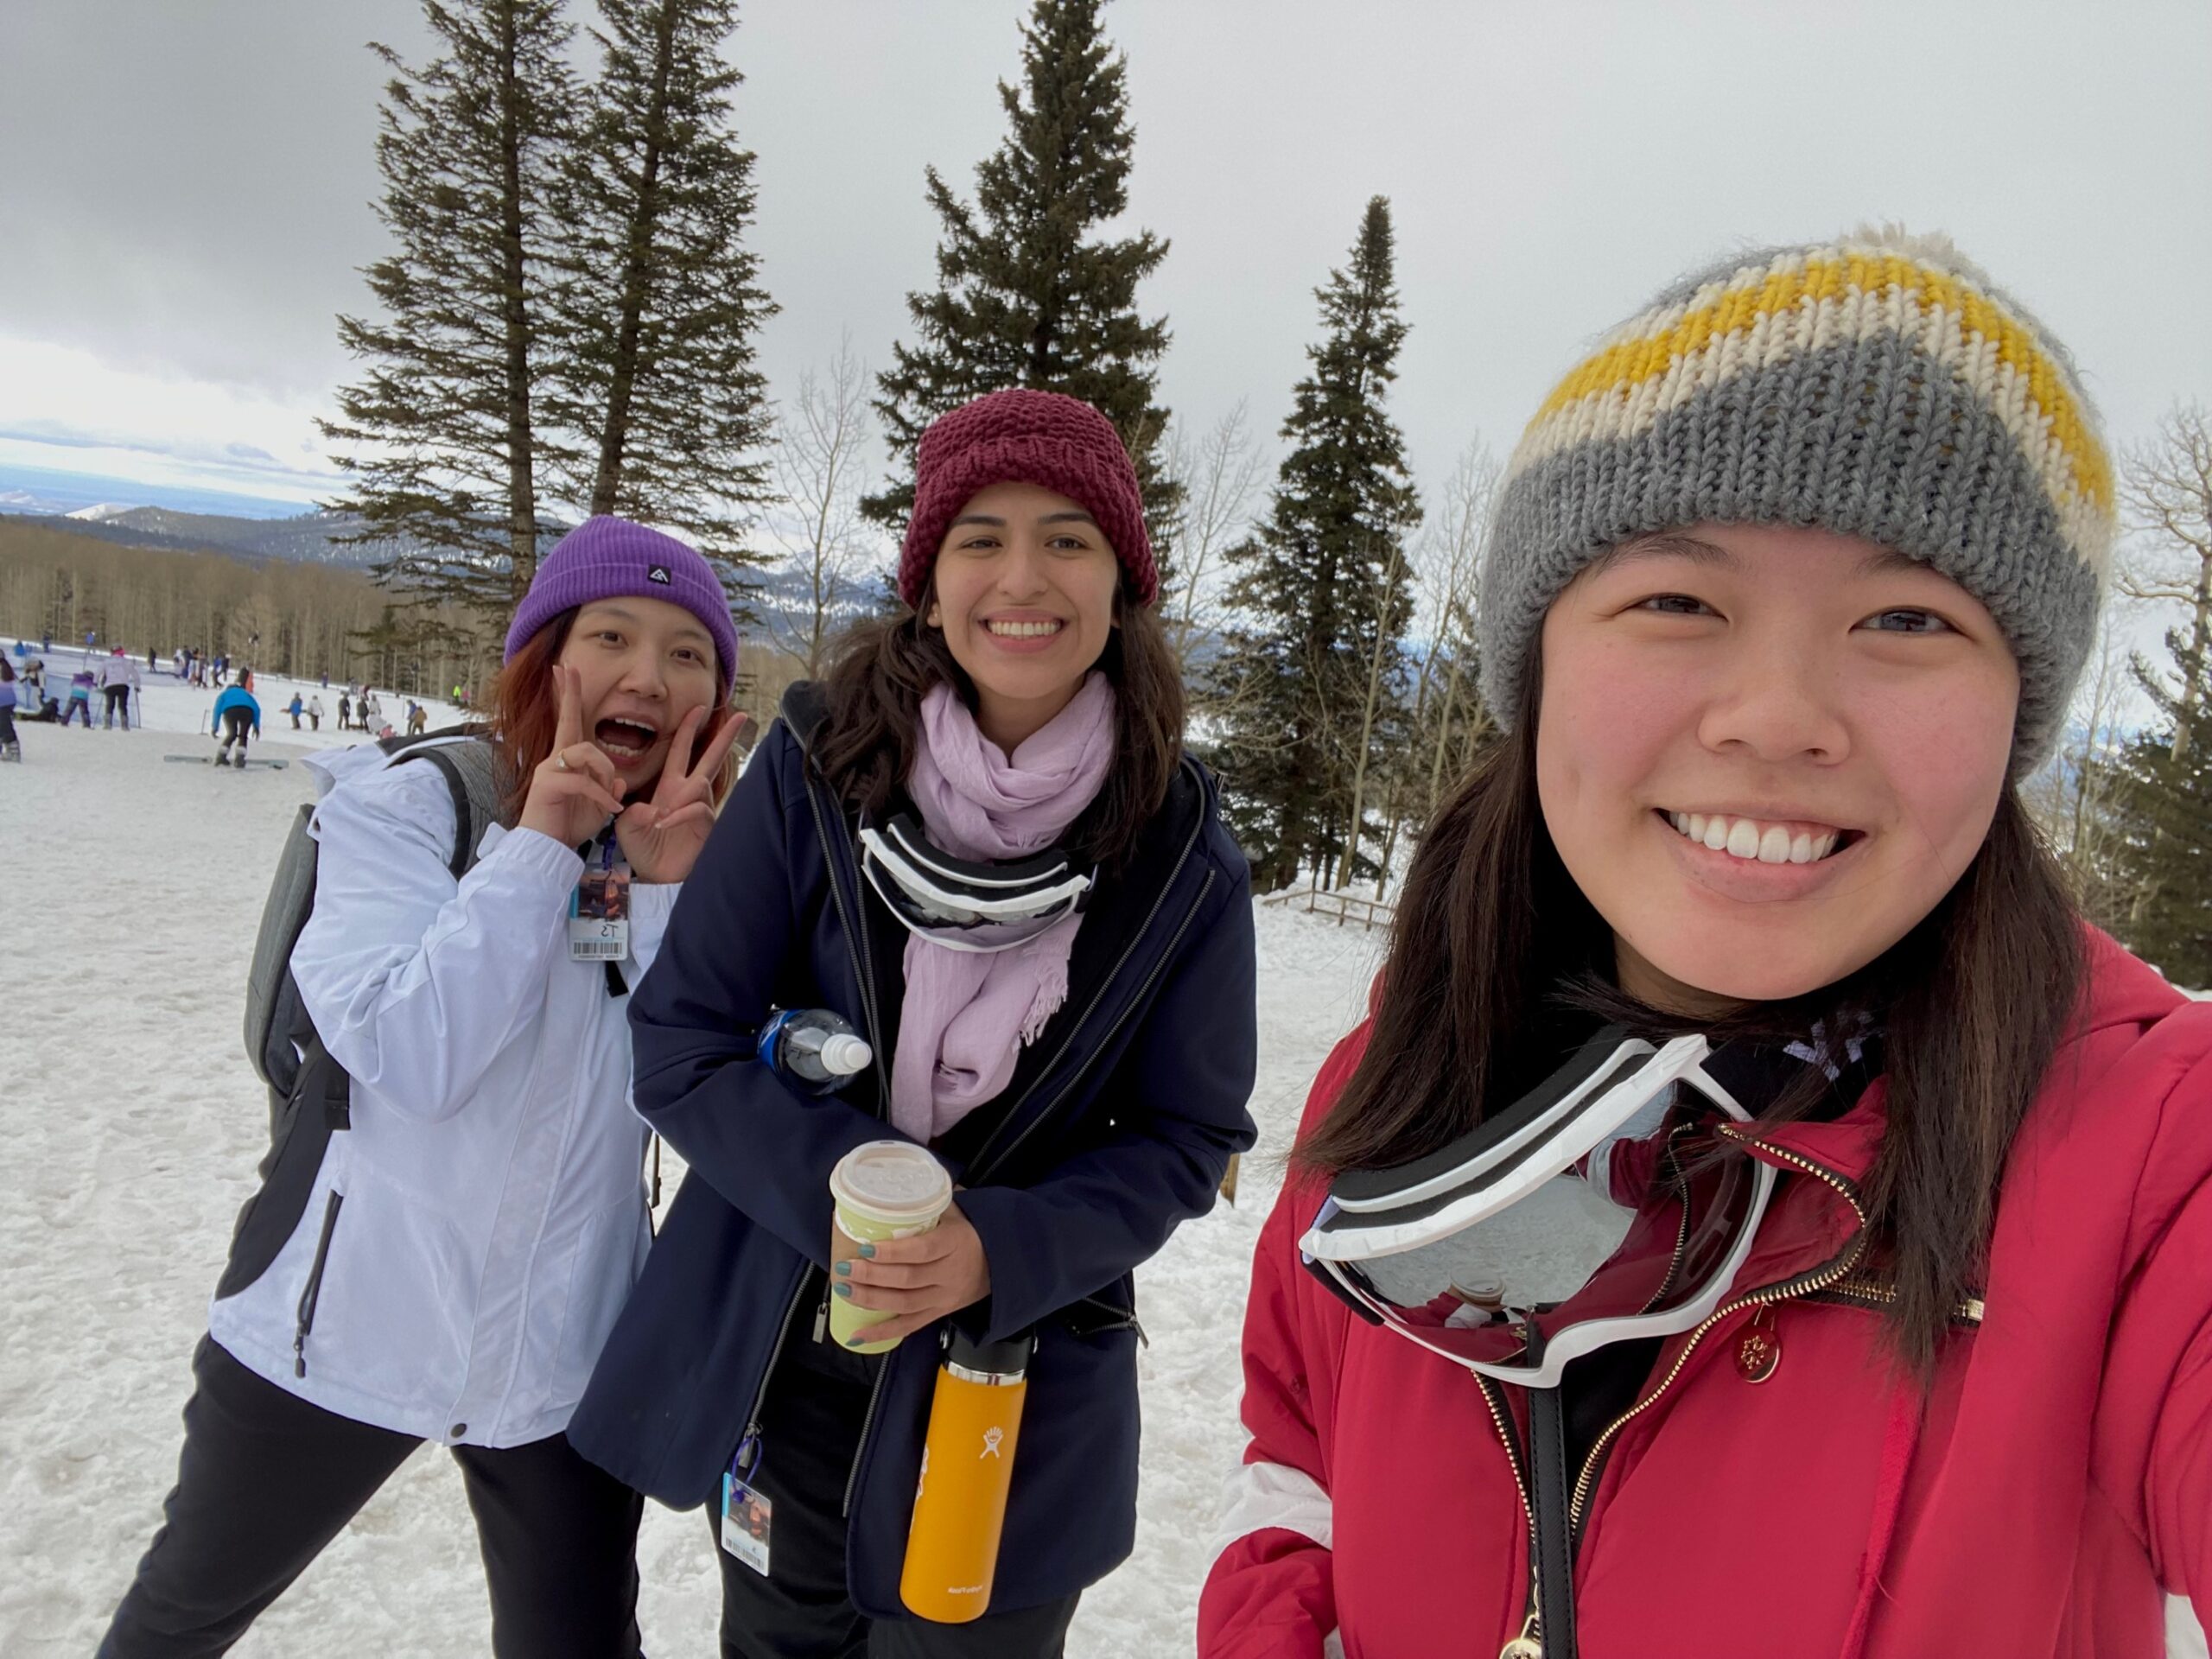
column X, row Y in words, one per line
column 815, row 1049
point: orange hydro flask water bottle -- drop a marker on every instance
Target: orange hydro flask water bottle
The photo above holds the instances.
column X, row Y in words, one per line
column 952, row 1551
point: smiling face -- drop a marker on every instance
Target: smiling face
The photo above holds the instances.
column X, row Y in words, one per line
column 1024, row 589
column 645, row 664
column 1764, row 754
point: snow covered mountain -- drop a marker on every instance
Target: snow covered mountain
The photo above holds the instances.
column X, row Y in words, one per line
column 306, row 538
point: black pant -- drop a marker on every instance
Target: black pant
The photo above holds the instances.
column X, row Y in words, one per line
column 7, row 727
column 266, row 1480
column 809, row 1429
column 236, row 723
column 118, row 701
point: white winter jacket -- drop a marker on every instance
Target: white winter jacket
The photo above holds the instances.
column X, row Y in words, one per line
column 490, row 1214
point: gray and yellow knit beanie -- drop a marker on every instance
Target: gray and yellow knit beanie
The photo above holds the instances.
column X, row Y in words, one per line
column 1880, row 386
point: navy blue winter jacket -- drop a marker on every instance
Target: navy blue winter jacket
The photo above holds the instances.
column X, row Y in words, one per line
column 1117, row 1125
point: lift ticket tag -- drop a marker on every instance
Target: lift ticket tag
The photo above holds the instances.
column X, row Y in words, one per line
column 598, row 914
column 746, row 1515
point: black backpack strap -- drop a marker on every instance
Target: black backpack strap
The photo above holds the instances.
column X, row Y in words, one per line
column 465, row 833
column 472, row 773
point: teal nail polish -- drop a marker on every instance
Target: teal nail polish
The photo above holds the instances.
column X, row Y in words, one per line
column 869, row 1250
column 844, row 1267
column 844, row 1290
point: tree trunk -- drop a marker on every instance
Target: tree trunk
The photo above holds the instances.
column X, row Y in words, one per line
column 607, row 487
column 2200, row 639
column 522, row 495
column 1443, row 730
column 1383, row 619
column 1395, row 809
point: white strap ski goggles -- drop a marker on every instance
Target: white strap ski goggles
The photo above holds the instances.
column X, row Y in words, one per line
column 964, row 904
column 1585, row 1206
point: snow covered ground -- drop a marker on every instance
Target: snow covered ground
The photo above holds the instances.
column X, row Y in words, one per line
column 131, row 1126
column 172, row 705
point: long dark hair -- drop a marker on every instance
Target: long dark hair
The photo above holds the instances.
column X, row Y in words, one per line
column 880, row 670
column 1494, row 943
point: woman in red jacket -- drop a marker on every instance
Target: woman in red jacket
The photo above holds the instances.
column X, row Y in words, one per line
column 1904, row 1345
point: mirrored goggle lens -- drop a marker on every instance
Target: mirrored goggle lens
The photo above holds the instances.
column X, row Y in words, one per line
column 963, row 922
column 1571, row 1255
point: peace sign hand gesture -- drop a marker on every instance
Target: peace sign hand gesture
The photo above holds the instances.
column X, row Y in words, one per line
column 662, row 838
column 576, row 789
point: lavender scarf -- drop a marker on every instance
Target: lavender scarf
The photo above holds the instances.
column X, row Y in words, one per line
column 965, row 1016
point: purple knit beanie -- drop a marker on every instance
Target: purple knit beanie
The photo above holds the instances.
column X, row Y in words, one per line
column 1019, row 436
column 613, row 558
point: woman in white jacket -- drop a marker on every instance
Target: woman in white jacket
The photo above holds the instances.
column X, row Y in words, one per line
column 469, row 1239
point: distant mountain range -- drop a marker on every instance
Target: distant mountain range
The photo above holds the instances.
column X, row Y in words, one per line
column 306, row 538
column 782, row 596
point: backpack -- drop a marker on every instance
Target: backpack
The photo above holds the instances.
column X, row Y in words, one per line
column 309, row 1094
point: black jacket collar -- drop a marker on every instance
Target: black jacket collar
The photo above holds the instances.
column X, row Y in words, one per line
column 1113, row 923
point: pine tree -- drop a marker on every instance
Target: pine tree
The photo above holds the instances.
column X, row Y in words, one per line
column 451, row 452
column 1025, row 295
column 2159, row 814
column 655, row 320
column 1323, row 591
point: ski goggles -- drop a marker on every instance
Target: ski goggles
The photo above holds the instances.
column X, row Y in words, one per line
column 964, row 904
column 1587, row 1209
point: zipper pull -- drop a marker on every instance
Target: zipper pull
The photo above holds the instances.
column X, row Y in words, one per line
column 1530, row 1644
column 1758, row 1346
column 822, row 1314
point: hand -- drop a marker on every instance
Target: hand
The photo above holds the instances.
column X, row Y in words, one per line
column 919, row 1281
column 662, row 838
column 576, row 789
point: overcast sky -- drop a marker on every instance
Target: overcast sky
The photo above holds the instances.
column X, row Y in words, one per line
column 184, row 188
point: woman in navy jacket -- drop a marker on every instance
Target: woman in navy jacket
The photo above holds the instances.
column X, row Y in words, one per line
column 1110, row 1119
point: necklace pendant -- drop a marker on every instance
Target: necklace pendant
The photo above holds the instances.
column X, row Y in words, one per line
column 1758, row 1348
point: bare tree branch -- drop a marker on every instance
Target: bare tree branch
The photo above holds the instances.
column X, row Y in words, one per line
column 1220, row 474
column 823, row 442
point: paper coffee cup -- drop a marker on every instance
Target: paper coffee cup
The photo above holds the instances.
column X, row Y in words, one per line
column 884, row 1190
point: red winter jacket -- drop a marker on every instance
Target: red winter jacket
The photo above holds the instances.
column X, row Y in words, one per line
column 2036, row 1501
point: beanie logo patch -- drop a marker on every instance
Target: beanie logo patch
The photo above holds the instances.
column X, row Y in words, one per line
column 658, row 573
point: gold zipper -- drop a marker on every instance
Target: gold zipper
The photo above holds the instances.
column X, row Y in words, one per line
column 1835, row 1271
column 1529, row 1644
column 1967, row 1310
column 1681, row 1241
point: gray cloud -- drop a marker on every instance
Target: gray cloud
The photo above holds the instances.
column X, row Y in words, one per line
column 238, row 462
column 187, row 187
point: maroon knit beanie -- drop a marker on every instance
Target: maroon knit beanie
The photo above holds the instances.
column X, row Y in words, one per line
column 1058, row 443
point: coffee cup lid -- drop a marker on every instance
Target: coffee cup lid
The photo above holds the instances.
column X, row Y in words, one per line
column 891, row 1178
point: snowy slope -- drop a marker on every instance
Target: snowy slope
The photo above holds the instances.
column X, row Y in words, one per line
column 131, row 1126
column 172, row 705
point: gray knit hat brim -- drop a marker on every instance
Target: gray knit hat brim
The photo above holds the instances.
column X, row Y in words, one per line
column 1873, row 435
